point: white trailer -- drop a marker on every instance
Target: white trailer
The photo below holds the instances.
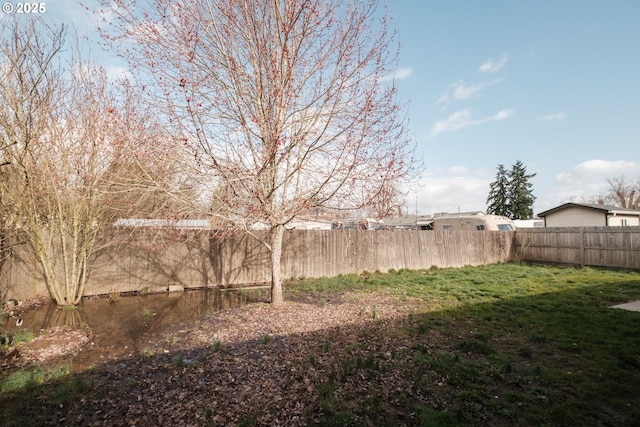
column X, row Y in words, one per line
column 473, row 222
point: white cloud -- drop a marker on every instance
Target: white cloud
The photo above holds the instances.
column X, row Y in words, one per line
column 459, row 170
column 460, row 91
column 597, row 170
column 584, row 181
column 553, row 117
column 116, row 73
column 85, row 16
column 492, row 65
column 501, row 115
column 399, row 74
column 458, row 120
column 464, row 119
column 458, row 188
column 404, row 73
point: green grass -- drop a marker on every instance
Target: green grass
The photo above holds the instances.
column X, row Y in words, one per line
column 21, row 335
column 30, row 377
column 510, row 344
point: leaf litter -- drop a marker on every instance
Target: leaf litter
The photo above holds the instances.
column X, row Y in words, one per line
column 252, row 365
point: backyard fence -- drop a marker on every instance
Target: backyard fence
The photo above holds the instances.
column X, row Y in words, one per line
column 617, row 247
column 193, row 260
column 330, row 253
column 190, row 259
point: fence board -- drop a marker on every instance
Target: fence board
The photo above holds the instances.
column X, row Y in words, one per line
column 617, row 247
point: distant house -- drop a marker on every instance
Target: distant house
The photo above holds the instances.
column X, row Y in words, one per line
column 205, row 224
column 296, row 224
column 581, row 214
column 184, row 224
column 529, row 223
column 406, row 222
column 309, row 224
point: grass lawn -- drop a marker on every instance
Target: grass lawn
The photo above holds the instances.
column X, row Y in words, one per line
column 512, row 344
column 504, row 345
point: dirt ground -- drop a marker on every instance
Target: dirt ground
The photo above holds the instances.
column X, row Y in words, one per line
column 53, row 345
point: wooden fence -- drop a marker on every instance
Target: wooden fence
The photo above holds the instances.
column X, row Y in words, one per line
column 193, row 260
column 617, row 247
column 330, row 253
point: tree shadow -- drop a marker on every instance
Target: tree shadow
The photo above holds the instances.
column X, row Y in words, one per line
column 191, row 259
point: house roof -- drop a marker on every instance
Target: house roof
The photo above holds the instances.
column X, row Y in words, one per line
column 164, row 223
column 608, row 209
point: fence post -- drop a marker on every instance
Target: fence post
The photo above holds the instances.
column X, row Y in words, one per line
column 582, row 248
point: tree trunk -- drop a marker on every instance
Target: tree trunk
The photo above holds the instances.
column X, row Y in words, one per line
column 277, row 234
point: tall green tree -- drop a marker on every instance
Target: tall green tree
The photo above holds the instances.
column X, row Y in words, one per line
column 511, row 194
column 521, row 196
column 498, row 199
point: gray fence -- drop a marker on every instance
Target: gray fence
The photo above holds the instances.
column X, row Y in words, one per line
column 193, row 260
column 329, row 253
column 617, row 247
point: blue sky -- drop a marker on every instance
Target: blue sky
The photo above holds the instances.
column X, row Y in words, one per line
column 553, row 83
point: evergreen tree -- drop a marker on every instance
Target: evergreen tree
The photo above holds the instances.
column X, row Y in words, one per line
column 498, row 199
column 521, row 196
column 511, row 194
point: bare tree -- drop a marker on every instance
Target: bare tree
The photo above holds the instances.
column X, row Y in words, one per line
column 390, row 202
column 287, row 105
column 7, row 239
column 70, row 127
column 144, row 177
column 623, row 192
column 26, row 88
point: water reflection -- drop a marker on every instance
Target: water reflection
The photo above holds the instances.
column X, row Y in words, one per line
column 128, row 325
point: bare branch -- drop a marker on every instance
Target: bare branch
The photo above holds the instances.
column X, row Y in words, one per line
column 76, row 140
column 623, row 192
column 284, row 104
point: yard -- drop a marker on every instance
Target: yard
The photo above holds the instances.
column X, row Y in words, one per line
column 504, row 344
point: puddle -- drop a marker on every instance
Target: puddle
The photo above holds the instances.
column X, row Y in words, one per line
column 129, row 325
